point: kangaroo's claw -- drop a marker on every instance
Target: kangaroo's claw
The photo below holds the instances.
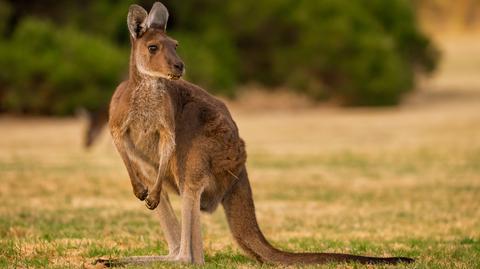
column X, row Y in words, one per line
column 152, row 202
column 141, row 194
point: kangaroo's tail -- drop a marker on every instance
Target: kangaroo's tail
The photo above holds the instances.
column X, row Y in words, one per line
column 240, row 212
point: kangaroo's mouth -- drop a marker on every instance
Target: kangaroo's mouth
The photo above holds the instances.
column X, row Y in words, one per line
column 174, row 76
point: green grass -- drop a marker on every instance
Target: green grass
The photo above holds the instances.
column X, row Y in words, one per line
column 61, row 207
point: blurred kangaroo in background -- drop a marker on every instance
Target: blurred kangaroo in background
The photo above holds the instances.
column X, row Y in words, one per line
column 173, row 134
column 96, row 122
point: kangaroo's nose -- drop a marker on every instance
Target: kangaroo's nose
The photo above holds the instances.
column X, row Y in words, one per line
column 179, row 66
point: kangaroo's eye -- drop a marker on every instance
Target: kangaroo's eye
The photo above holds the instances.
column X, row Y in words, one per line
column 152, row 49
column 176, row 46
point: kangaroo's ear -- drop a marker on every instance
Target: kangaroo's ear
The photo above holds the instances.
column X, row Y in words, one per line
column 158, row 17
column 136, row 20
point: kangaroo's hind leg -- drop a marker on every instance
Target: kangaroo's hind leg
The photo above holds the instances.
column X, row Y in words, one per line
column 170, row 225
column 191, row 246
column 171, row 231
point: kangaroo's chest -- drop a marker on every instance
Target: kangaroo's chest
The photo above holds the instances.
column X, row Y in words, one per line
column 146, row 119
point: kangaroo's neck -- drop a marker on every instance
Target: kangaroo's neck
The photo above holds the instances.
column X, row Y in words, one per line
column 150, row 102
column 144, row 86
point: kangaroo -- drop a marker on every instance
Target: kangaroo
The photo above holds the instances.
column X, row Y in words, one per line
column 173, row 134
column 96, row 121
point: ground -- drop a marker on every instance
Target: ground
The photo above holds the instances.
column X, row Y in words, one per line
column 391, row 181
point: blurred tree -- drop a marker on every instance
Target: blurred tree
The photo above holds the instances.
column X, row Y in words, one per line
column 52, row 70
column 5, row 13
column 362, row 52
column 61, row 55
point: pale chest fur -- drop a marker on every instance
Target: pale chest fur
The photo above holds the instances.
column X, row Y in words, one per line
column 148, row 119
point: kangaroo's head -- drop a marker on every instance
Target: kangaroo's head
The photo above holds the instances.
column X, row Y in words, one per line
column 153, row 52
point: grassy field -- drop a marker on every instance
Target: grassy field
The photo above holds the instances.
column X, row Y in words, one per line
column 399, row 181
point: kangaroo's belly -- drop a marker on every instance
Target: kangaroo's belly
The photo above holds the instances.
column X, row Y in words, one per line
column 145, row 138
column 146, row 141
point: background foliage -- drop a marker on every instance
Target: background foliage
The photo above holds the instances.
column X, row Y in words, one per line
column 57, row 56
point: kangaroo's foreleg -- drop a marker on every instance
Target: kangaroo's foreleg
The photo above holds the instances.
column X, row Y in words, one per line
column 135, row 172
column 166, row 148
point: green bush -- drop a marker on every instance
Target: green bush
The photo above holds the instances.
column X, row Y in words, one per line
column 211, row 63
column 5, row 11
column 362, row 52
column 52, row 70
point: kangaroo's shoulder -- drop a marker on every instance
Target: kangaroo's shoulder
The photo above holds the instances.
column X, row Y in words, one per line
column 119, row 105
column 200, row 107
column 185, row 92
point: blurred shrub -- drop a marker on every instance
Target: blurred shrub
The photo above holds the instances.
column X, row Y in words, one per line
column 52, row 70
column 361, row 52
column 212, row 63
column 357, row 51
column 5, row 11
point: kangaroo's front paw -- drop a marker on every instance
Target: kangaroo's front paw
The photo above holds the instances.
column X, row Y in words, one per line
column 152, row 201
column 141, row 193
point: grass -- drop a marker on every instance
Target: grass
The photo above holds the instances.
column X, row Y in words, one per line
column 401, row 181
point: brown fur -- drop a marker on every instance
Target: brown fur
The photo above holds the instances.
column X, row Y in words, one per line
column 173, row 133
